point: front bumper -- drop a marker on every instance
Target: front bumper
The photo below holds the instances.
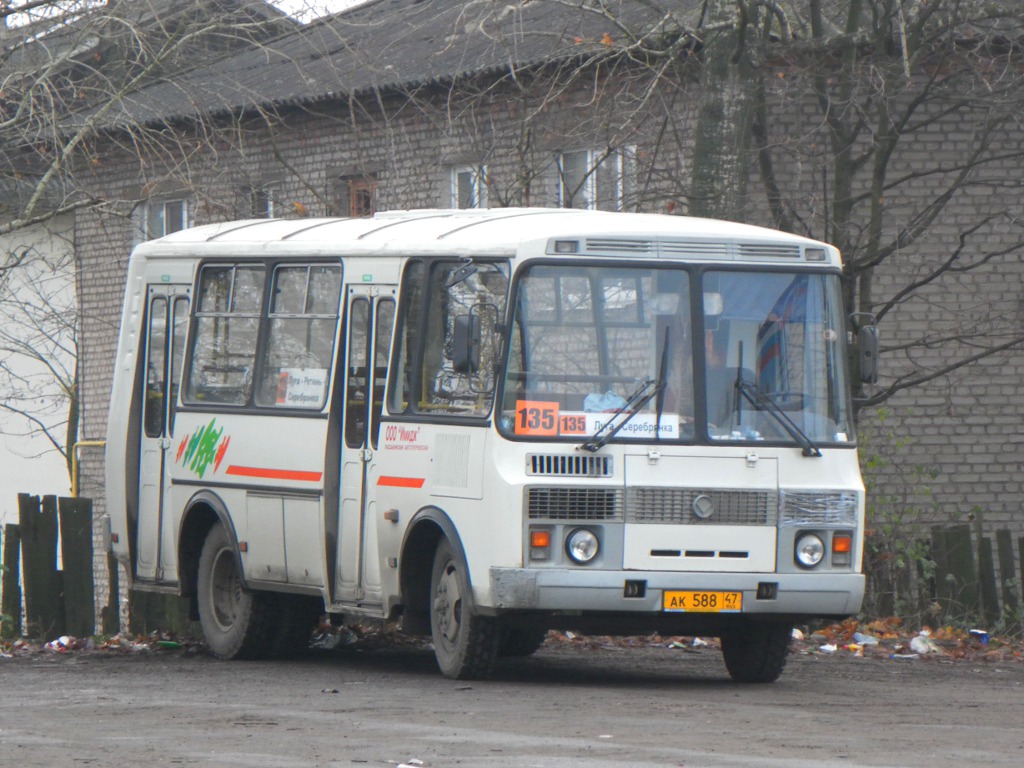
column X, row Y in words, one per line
column 577, row 590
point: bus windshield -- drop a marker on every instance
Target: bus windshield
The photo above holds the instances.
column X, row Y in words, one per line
column 601, row 353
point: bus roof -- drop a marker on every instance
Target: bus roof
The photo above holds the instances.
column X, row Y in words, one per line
column 498, row 231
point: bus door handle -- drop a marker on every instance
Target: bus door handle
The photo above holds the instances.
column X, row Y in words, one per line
column 366, row 455
column 165, row 443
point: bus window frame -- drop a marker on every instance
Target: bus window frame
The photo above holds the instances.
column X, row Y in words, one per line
column 250, row 406
column 415, row 364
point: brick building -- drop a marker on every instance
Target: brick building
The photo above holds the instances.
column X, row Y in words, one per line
column 440, row 104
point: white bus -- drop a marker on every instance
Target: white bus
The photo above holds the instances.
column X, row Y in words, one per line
column 489, row 424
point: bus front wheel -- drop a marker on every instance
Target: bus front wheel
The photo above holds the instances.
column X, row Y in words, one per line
column 465, row 644
column 237, row 622
column 756, row 651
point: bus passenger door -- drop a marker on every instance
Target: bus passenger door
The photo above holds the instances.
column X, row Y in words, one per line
column 167, row 319
column 370, row 319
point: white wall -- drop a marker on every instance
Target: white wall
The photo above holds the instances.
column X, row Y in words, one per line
column 30, row 464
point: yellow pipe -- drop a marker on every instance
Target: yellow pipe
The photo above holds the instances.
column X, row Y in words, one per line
column 74, row 460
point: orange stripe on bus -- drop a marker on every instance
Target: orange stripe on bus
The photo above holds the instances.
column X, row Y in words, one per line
column 400, row 482
column 275, row 474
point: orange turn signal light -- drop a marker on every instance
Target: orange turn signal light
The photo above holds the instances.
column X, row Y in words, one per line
column 842, row 542
column 540, row 539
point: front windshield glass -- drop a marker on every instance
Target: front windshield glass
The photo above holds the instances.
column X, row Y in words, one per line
column 774, row 350
column 589, row 342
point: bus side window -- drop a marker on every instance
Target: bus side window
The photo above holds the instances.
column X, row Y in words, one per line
column 303, row 324
column 403, row 379
column 383, row 327
column 228, row 305
column 439, row 302
column 156, row 368
column 357, row 372
column 463, row 343
column 179, row 327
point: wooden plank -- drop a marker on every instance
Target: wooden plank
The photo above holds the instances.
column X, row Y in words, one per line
column 76, row 556
column 987, row 581
column 1020, row 560
column 957, row 582
column 112, row 610
column 1007, row 573
column 11, row 605
column 943, row 588
column 44, row 615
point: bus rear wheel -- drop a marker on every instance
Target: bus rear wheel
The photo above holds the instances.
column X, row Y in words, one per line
column 756, row 651
column 518, row 642
column 465, row 644
column 236, row 621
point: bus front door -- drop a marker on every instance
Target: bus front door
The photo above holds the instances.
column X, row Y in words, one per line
column 370, row 319
column 166, row 322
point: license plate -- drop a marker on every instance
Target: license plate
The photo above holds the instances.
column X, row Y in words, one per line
column 702, row 602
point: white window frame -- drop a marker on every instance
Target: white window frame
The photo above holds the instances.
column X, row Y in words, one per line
column 477, row 178
column 263, row 201
column 585, row 197
column 144, row 219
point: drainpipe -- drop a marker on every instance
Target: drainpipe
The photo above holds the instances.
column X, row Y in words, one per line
column 74, row 460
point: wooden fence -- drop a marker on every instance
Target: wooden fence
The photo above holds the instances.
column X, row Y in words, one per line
column 54, row 601
column 60, row 601
column 966, row 584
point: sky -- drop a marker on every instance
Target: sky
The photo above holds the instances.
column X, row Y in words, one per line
column 304, row 10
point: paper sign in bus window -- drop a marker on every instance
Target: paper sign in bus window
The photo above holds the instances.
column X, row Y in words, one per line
column 302, row 387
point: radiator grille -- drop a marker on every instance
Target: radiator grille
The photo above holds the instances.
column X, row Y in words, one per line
column 719, row 507
column 770, row 251
column 621, row 245
column 690, row 248
column 568, row 465
column 574, row 504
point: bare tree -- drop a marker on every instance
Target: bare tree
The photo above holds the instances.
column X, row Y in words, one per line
column 878, row 83
column 888, row 127
column 65, row 65
column 39, row 347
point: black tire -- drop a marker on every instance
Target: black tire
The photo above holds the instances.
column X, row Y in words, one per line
column 237, row 622
column 297, row 617
column 756, row 651
column 465, row 645
column 521, row 642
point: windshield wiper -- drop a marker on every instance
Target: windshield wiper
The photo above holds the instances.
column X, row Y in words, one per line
column 640, row 397
column 761, row 401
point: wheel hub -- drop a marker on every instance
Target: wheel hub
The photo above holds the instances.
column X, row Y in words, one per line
column 448, row 604
column 226, row 590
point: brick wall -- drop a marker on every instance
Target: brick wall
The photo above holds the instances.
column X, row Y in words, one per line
column 952, row 442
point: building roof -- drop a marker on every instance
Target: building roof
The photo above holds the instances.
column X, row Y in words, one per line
column 388, row 44
column 407, row 44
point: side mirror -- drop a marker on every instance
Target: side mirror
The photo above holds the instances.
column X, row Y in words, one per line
column 466, row 344
column 867, row 347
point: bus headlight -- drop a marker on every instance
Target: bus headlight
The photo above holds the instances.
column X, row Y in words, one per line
column 581, row 546
column 810, row 549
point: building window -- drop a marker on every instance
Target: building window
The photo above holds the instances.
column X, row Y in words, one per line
column 597, row 180
column 156, row 218
column 577, row 179
column 264, row 202
column 469, row 187
column 354, row 196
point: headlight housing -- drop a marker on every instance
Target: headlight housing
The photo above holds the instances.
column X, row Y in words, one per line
column 582, row 546
column 809, row 550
